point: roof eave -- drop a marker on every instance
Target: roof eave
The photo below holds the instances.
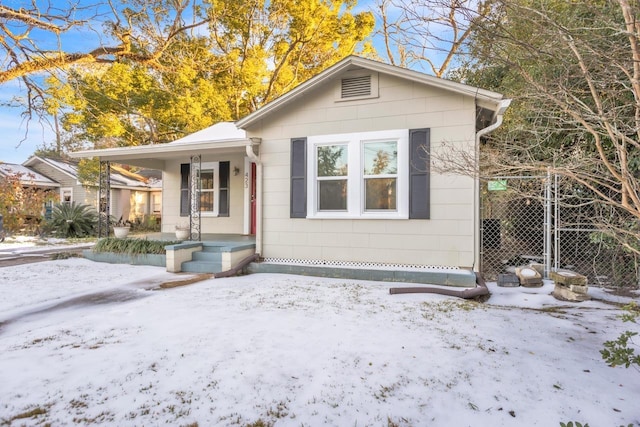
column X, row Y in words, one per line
column 145, row 150
column 40, row 184
column 44, row 160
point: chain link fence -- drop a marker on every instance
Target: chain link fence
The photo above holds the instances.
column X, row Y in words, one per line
column 512, row 228
column 580, row 246
column 543, row 219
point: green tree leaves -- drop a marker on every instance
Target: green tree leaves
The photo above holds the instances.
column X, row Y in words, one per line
column 251, row 52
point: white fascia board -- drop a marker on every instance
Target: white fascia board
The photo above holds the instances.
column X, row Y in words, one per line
column 147, row 151
column 128, row 187
column 34, row 159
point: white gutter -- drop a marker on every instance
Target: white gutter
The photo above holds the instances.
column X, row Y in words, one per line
column 256, row 159
column 502, row 107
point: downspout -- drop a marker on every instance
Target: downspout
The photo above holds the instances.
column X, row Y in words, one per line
column 479, row 291
column 502, row 107
column 256, row 159
column 238, row 268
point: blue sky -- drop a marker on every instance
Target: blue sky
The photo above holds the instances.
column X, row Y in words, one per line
column 18, row 144
column 20, row 137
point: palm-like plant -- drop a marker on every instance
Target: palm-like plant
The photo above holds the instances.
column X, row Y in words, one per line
column 73, row 220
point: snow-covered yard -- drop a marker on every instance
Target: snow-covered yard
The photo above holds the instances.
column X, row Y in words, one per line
column 289, row 351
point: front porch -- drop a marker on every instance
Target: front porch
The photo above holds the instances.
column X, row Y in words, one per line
column 213, row 253
column 218, row 254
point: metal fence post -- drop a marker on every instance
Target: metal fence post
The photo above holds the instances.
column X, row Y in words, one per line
column 556, row 222
column 547, row 224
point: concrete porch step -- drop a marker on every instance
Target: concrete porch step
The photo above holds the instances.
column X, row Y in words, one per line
column 219, row 247
column 202, row 267
column 207, row 256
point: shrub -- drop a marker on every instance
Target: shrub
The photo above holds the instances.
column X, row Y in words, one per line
column 21, row 206
column 132, row 246
column 73, row 220
column 621, row 352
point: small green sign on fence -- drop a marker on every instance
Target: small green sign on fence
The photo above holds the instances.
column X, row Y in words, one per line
column 499, row 185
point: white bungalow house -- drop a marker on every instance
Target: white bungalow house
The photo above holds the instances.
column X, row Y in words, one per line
column 335, row 172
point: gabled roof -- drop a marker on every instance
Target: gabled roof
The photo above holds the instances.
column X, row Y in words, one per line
column 119, row 177
column 485, row 98
column 27, row 176
column 66, row 168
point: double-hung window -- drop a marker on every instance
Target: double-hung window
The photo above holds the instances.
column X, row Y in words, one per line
column 213, row 189
column 332, row 174
column 66, row 196
column 380, row 175
column 359, row 175
column 208, row 181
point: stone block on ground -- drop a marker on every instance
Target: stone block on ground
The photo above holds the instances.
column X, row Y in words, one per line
column 579, row 289
column 529, row 277
column 568, row 278
column 564, row 293
column 537, row 267
column 508, row 280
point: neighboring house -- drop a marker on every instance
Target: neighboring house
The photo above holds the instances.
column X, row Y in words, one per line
column 133, row 197
column 337, row 171
column 28, row 177
column 35, row 181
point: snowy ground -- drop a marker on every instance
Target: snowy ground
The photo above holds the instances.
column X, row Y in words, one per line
column 25, row 245
column 291, row 351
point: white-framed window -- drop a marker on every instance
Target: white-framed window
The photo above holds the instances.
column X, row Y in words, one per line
column 380, row 175
column 66, row 195
column 359, row 175
column 156, row 203
column 332, row 173
column 209, row 187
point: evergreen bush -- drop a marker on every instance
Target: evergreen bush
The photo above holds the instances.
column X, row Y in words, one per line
column 73, row 220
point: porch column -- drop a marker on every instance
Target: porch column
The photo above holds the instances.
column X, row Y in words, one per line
column 104, row 199
column 195, row 223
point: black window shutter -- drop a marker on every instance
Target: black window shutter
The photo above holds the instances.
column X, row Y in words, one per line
column 184, row 189
column 223, row 208
column 298, row 202
column 419, row 170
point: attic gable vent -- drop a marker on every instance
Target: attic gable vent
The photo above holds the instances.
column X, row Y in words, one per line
column 356, row 87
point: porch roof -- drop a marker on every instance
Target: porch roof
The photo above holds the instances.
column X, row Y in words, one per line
column 219, row 139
